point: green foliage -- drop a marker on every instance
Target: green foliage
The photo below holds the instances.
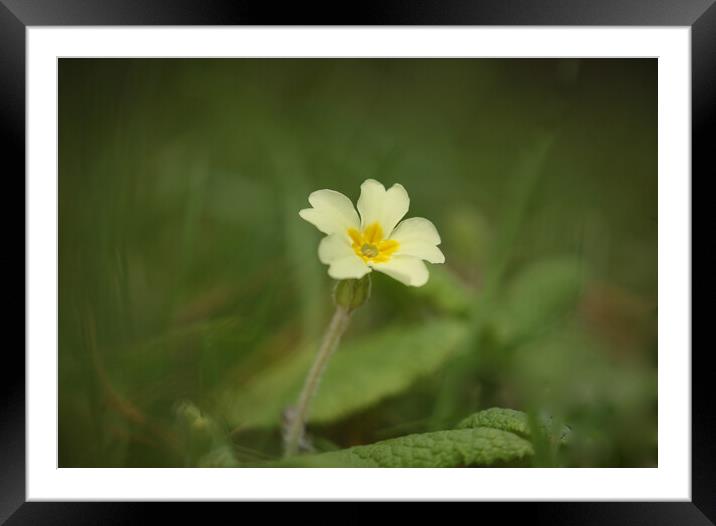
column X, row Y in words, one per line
column 497, row 418
column 191, row 301
column 446, row 291
column 363, row 371
column 439, row 449
column 538, row 298
column 483, row 439
column 221, row 457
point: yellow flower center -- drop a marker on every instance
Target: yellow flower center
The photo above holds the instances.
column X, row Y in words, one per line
column 370, row 246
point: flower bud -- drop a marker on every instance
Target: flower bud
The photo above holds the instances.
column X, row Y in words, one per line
column 352, row 293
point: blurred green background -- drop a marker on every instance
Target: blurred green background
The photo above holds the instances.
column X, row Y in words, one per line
column 191, row 297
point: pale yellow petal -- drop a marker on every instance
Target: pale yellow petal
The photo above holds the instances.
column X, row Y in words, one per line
column 350, row 267
column 335, row 251
column 418, row 237
column 335, row 246
column 408, row 270
column 385, row 207
column 332, row 212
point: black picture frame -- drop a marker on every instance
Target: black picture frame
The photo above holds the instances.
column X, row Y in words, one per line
column 699, row 15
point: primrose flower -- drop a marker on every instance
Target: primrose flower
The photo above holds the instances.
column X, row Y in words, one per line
column 378, row 239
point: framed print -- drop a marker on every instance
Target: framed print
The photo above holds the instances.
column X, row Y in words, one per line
column 266, row 251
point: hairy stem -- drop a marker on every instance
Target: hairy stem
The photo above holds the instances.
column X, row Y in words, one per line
column 331, row 338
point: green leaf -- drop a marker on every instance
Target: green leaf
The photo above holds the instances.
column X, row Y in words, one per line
column 539, row 297
column 484, row 438
column 361, row 373
column 498, row 418
column 446, row 291
column 479, row 446
column 221, row 457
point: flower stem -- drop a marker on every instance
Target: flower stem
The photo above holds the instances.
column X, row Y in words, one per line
column 331, row 338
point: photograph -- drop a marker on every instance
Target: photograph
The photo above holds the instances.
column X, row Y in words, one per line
column 357, row 262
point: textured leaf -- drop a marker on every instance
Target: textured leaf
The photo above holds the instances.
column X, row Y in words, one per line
column 362, row 372
column 498, row 418
column 479, row 446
